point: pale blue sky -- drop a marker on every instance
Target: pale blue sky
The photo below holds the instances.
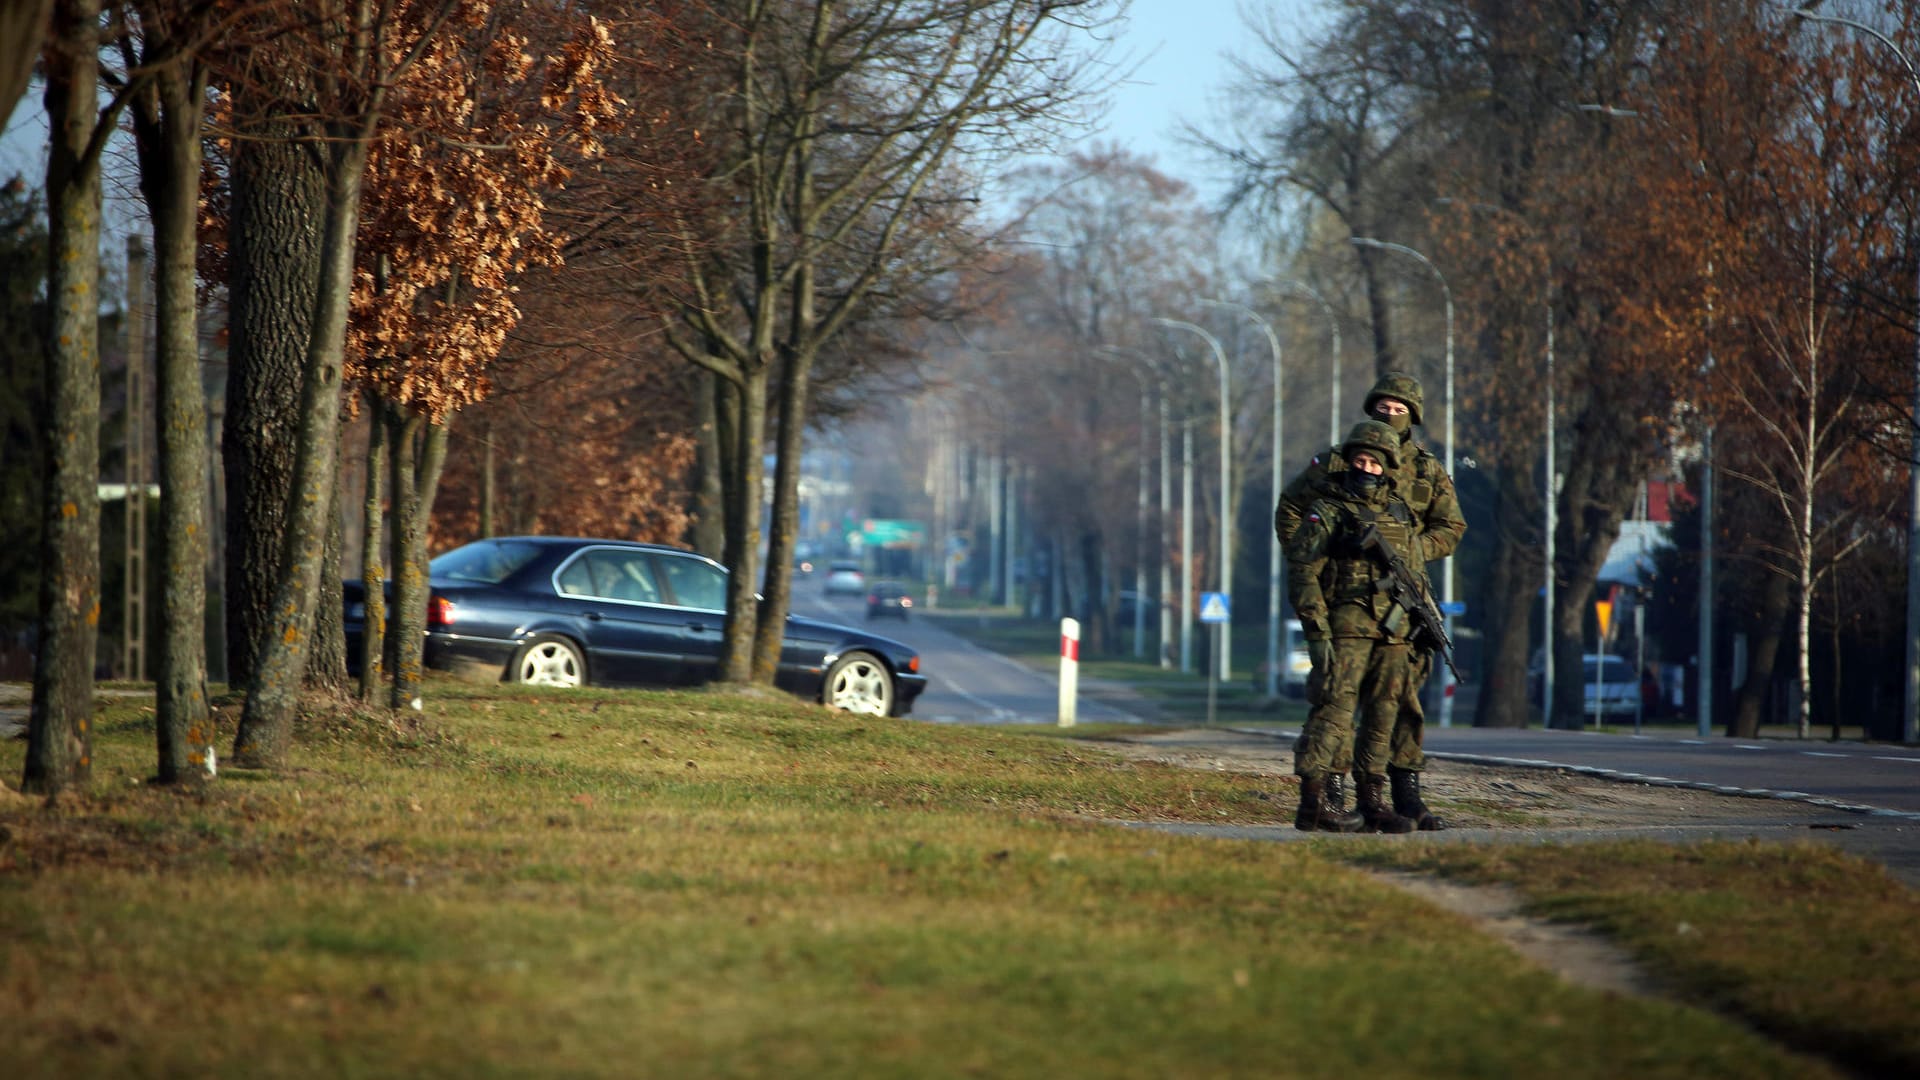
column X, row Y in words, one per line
column 1175, row 50
column 1180, row 75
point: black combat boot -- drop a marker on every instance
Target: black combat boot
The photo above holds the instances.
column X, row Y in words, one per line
column 1315, row 815
column 1336, row 793
column 1375, row 810
column 1407, row 801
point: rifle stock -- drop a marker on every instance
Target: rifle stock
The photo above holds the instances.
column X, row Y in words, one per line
column 1429, row 626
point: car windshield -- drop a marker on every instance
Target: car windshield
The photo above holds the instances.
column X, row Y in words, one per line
column 1615, row 670
column 487, row 561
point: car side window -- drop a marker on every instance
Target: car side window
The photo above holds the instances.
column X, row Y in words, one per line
column 576, row 579
column 696, row 584
column 623, row 575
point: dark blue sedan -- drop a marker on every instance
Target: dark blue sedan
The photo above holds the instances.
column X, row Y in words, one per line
column 570, row 612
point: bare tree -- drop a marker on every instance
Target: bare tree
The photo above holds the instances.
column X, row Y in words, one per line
column 837, row 123
column 59, row 743
column 169, row 113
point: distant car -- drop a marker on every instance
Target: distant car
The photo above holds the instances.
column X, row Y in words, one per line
column 1297, row 664
column 1610, row 680
column 888, row 598
column 576, row 612
column 845, row 577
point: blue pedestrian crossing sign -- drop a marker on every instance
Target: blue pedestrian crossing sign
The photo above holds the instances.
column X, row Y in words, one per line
column 1214, row 607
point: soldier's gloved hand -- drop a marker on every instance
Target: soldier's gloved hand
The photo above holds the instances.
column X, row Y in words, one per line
column 1321, row 653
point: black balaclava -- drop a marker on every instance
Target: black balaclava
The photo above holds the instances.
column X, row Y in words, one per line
column 1364, row 484
column 1401, row 424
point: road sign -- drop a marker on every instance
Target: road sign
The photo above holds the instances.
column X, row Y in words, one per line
column 1453, row 607
column 1214, row 607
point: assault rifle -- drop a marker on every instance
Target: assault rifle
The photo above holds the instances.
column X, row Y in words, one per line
column 1407, row 590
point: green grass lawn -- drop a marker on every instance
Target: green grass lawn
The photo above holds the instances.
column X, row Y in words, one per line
column 704, row 884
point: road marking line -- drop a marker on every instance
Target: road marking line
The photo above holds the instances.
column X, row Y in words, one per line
column 1901, row 760
column 1747, row 746
column 1820, row 753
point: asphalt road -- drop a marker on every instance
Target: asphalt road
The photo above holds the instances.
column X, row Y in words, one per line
column 965, row 683
column 1869, row 777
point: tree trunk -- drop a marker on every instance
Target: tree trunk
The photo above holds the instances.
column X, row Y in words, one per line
column 1776, row 602
column 709, row 531
column 784, row 529
column 167, row 126
column 373, row 574
column 279, row 192
column 266, row 723
column 23, row 26
column 59, row 740
column 419, row 455
column 743, row 534
column 1511, row 587
column 327, row 660
column 486, row 478
column 409, row 590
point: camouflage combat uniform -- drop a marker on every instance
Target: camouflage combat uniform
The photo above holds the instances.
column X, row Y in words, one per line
column 1423, row 485
column 1368, row 629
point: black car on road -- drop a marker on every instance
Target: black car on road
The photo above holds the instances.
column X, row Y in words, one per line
column 576, row 612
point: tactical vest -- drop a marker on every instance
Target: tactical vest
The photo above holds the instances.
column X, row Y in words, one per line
column 1357, row 573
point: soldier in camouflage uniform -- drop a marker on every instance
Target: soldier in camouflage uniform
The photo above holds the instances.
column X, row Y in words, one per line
column 1422, row 483
column 1340, row 598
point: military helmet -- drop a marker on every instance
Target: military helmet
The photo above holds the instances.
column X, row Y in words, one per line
column 1375, row 438
column 1399, row 386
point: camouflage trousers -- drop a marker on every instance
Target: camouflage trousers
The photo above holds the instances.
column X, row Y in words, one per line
column 1379, row 679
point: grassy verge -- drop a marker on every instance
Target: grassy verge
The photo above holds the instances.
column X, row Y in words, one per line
column 711, row 885
column 1810, row 945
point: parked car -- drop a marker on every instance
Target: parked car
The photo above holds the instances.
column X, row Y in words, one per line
column 844, row 577
column 888, row 598
column 578, row 612
column 1608, row 679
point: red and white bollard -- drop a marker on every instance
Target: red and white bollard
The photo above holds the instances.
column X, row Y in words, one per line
column 1069, row 670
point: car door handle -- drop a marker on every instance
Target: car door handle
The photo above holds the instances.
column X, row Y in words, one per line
column 594, row 616
column 698, row 627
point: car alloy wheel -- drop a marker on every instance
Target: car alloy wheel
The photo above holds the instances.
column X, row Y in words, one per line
column 859, row 683
column 547, row 660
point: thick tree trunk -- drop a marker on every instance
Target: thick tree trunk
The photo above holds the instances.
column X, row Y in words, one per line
column 1776, row 602
column 266, row 723
column 167, row 126
column 373, row 574
column 1513, row 582
column 59, row 740
column 709, row 531
column 743, row 534
column 279, row 192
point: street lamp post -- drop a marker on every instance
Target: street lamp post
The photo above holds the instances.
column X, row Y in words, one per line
column 1446, row 565
column 1910, row 713
column 1224, row 665
column 1333, row 367
column 1273, row 547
